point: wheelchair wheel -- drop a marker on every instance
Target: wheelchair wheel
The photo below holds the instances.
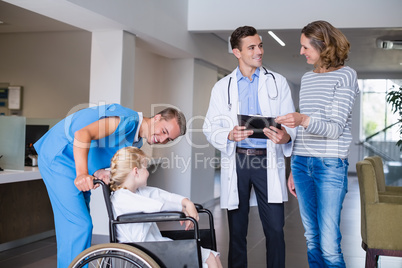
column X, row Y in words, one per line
column 113, row 255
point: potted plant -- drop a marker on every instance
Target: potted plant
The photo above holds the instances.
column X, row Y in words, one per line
column 394, row 97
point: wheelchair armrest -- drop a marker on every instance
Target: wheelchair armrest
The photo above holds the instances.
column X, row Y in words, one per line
column 198, row 206
column 201, row 209
column 151, row 217
column 158, row 217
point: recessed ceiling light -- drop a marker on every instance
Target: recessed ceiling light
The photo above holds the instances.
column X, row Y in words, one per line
column 276, row 38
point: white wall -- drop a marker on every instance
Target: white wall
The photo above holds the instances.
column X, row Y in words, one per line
column 203, row 153
column 52, row 67
column 160, row 81
column 112, row 68
column 176, row 88
column 186, row 85
column 146, row 87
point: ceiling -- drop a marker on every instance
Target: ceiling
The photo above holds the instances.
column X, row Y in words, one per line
column 368, row 60
column 17, row 19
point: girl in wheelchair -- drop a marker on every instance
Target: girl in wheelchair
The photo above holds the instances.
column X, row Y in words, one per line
column 131, row 194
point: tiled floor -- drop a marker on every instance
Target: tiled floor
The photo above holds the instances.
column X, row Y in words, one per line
column 42, row 254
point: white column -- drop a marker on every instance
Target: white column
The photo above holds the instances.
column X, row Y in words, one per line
column 112, row 68
column 111, row 81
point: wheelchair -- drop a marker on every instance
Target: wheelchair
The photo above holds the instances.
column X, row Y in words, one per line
column 183, row 251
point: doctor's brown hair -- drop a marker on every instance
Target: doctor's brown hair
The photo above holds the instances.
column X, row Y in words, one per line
column 330, row 42
column 239, row 34
column 123, row 161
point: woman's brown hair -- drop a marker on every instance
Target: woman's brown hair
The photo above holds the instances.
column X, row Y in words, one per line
column 329, row 41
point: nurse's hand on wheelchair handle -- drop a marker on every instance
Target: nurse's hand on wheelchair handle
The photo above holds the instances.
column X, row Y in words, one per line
column 84, row 182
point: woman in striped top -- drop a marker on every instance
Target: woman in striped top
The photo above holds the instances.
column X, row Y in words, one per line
column 319, row 159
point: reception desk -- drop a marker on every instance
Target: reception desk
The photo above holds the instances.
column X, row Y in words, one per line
column 28, row 174
column 25, row 211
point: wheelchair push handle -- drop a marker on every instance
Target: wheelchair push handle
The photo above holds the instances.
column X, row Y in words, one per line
column 98, row 181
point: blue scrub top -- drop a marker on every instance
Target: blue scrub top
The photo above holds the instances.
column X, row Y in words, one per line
column 55, row 148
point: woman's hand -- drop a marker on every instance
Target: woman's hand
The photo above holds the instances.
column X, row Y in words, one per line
column 293, row 120
column 291, row 185
column 84, row 182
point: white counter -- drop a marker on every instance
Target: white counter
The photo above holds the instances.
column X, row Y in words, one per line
column 28, row 174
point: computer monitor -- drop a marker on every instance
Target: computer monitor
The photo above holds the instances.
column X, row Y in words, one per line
column 32, row 134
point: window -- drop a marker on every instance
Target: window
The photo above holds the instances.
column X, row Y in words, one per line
column 376, row 112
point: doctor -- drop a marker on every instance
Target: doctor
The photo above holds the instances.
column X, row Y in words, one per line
column 252, row 170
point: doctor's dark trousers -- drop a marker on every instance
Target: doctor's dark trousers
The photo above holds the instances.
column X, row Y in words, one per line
column 252, row 172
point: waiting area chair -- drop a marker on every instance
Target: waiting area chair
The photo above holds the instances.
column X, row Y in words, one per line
column 386, row 193
column 381, row 222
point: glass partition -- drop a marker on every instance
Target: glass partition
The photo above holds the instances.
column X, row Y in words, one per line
column 12, row 142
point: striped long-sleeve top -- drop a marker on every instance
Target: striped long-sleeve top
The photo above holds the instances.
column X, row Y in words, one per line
column 328, row 99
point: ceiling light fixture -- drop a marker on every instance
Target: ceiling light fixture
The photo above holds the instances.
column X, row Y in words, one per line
column 389, row 44
column 276, row 38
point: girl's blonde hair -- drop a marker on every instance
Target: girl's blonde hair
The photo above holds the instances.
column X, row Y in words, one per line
column 123, row 162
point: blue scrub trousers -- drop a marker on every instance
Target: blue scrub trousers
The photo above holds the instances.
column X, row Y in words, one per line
column 72, row 220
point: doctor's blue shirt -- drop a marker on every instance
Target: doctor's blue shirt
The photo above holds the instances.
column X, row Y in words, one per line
column 249, row 105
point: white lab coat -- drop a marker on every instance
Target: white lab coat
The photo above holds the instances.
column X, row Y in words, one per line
column 221, row 119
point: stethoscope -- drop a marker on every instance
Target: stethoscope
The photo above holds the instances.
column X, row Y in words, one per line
column 265, row 73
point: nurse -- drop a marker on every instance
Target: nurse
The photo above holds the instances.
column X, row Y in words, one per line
column 83, row 144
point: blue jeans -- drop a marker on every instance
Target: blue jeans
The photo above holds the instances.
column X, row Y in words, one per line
column 321, row 186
